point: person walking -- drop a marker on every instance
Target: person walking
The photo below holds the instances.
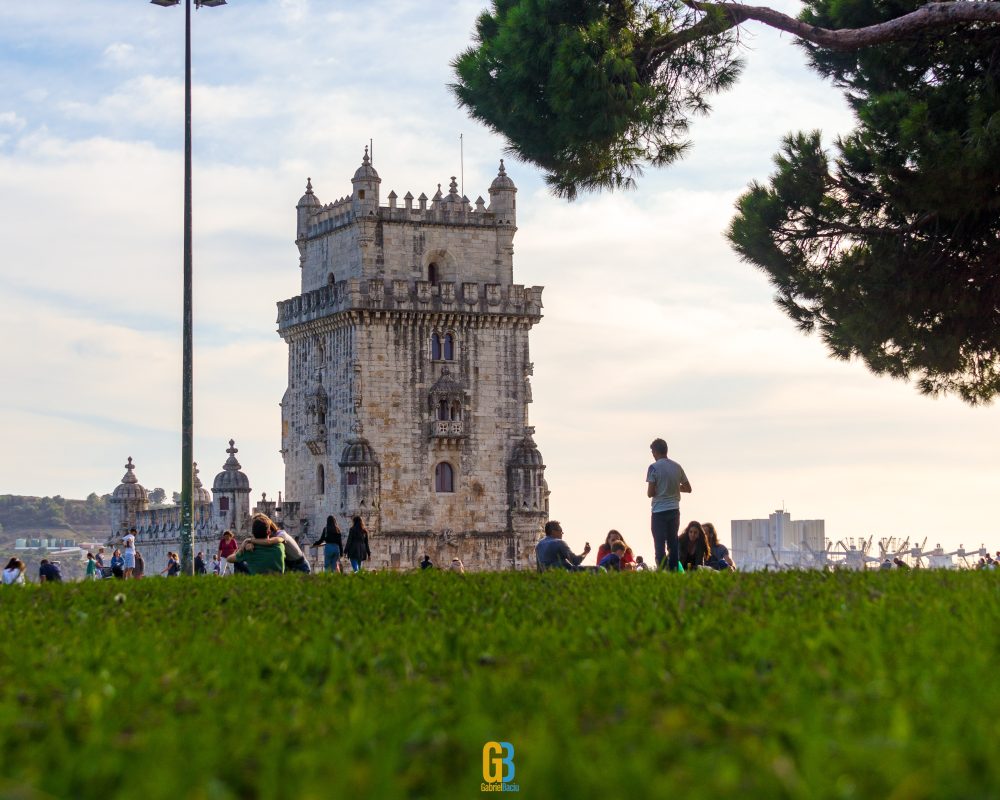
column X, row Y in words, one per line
column 199, row 563
column 665, row 480
column 333, row 545
column 227, row 546
column 358, row 550
column 91, row 567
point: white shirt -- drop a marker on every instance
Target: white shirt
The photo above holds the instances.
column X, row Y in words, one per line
column 11, row 576
column 129, row 542
column 291, row 546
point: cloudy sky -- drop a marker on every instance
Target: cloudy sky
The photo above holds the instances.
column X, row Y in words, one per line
column 652, row 326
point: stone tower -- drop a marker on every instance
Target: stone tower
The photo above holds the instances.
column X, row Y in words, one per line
column 408, row 376
column 128, row 500
column 231, row 494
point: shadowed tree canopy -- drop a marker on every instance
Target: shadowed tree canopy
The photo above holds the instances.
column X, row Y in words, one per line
column 889, row 247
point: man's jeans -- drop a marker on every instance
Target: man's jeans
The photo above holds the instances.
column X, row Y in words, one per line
column 665, row 525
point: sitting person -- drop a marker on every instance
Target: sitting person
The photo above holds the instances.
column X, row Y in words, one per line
column 552, row 552
column 614, row 559
column 694, row 547
column 263, row 531
column 718, row 553
column 605, row 549
column 13, row 573
column 117, row 564
column 259, row 560
column 640, row 564
column 49, row 572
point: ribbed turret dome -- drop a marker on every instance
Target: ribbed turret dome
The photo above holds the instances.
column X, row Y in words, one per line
column 202, row 497
column 308, row 200
column 358, row 453
column 366, row 172
column 130, row 488
column 526, row 454
column 231, row 478
column 502, row 181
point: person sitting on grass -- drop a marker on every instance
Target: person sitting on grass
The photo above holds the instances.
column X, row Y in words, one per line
column 606, row 549
column 13, row 573
column 260, row 560
column 694, row 547
column 718, row 553
column 640, row 564
column 117, row 564
column 553, row 553
column 48, row 572
column 426, row 563
column 615, row 559
column 265, row 533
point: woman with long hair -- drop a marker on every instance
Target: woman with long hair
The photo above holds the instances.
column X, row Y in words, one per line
column 718, row 553
column 694, row 547
column 628, row 560
column 13, row 573
column 333, row 545
column 357, row 548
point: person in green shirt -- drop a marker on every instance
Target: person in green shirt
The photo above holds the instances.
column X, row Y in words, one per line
column 91, row 567
column 260, row 560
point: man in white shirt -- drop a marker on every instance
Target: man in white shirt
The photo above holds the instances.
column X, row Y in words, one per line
column 129, row 555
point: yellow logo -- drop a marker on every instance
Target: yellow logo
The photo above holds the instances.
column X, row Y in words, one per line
column 498, row 768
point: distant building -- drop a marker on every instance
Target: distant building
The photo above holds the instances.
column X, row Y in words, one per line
column 777, row 540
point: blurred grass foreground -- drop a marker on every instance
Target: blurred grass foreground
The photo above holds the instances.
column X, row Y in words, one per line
column 790, row 685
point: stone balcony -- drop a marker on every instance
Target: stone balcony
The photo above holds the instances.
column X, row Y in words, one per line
column 401, row 295
column 447, row 427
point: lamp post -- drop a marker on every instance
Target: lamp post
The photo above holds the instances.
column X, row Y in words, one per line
column 187, row 400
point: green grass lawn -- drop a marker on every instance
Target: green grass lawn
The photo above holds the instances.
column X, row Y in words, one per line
column 799, row 685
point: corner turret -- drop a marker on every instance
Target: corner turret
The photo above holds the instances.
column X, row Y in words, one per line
column 502, row 201
column 364, row 201
column 308, row 205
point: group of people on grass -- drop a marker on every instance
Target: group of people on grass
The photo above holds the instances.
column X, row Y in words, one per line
column 697, row 548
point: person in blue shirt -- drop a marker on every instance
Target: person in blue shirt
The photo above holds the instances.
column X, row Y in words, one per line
column 613, row 560
column 48, row 572
column 552, row 552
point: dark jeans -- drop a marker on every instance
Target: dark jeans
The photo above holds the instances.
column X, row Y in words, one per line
column 665, row 525
column 297, row 566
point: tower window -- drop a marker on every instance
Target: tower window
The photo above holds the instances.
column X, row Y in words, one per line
column 320, row 479
column 444, row 478
column 456, row 411
column 331, row 279
column 352, row 478
column 361, row 194
column 433, row 273
column 321, row 415
column 449, row 347
column 435, row 347
column 443, row 410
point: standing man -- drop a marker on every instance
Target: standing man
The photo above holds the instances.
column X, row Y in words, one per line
column 665, row 480
column 129, row 541
column 552, row 552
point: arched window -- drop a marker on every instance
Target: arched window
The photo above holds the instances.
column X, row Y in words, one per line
column 352, row 478
column 449, row 347
column 320, row 479
column 443, row 410
column 444, row 478
column 433, row 273
column 331, row 279
column 321, row 416
column 456, row 411
column 435, row 347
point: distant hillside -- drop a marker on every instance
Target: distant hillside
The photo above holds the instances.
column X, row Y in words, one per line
column 20, row 512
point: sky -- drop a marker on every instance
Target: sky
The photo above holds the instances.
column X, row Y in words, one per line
column 652, row 326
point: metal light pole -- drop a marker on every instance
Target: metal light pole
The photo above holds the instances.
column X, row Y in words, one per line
column 187, row 400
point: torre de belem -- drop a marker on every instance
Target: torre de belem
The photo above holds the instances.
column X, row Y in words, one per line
column 409, row 376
